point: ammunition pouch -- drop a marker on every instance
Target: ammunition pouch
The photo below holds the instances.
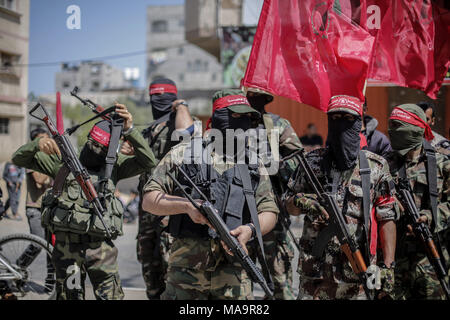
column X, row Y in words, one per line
column 71, row 212
column 226, row 194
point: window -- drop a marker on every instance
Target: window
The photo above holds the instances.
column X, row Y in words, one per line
column 95, row 69
column 181, row 77
column 95, row 86
column 159, row 26
column 198, row 66
column 4, row 126
column 180, row 50
column 8, row 4
column 66, row 84
column 214, row 77
column 6, row 59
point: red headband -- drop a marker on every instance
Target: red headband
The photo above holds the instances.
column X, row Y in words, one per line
column 409, row 117
column 227, row 101
column 346, row 102
column 100, row 136
column 162, row 88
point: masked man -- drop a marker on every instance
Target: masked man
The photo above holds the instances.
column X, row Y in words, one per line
column 199, row 267
column 82, row 244
column 278, row 245
column 170, row 115
column 428, row 175
column 340, row 167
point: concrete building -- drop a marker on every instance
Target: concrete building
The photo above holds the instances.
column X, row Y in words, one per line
column 90, row 76
column 196, row 72
column 14, row 26
column 204, row 19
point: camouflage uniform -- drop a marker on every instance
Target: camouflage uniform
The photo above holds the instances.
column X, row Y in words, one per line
column 92, row 255
column 198, row 268
column 414, row 275
column 278, row 246
column 331, row 276
column 152, row 242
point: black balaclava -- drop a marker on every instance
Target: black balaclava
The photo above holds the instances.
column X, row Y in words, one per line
column 162, row 103
column 259, row 101
column 222, row 120
column 344, row 141
column 93, row 154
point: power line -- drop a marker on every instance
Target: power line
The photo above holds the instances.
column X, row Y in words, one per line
column 111, row 57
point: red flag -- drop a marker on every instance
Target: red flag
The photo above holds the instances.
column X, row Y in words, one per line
column 309, row 51
column 412, row 47
column 59, row 115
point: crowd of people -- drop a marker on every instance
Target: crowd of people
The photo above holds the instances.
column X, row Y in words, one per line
column 180, row 254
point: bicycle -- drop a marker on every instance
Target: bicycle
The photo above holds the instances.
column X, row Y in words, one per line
column 26, row 271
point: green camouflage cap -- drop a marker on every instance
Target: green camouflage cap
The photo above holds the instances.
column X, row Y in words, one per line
column 233, row 99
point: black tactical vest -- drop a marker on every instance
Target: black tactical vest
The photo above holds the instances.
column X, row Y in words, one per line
column 225, row 193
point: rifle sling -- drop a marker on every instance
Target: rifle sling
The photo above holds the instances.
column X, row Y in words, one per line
column 60, row 178
column 251, row 203
column 431, row 165
column 111, row 156
column 146, row 133
column 364, row 172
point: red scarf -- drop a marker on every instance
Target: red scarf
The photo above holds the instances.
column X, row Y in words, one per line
column 411, row 118
column 225, row 102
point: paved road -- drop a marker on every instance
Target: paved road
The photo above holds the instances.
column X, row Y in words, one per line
column 129, row 267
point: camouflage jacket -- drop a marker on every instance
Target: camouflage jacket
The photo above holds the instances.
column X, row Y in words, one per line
column 204, row 254
column 333, row 266
column 417, row 177
column 441, row 144
column 29, row 156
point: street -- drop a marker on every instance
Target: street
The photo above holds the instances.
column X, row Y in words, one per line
column 129, row 267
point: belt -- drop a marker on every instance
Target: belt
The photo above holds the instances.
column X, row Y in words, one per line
column 76, row 238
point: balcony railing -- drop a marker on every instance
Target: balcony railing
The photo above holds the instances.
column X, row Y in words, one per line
column 12, row 71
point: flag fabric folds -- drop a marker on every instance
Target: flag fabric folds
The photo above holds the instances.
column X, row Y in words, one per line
column 412, row 47
column 309, row 51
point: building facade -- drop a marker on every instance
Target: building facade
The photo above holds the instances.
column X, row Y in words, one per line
column 90, row 76
column 14, row 42
column 196, row 72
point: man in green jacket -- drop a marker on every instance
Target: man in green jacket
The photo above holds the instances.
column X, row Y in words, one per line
column 82, row 245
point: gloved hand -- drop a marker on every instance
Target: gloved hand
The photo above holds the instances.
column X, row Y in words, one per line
column 308, row 204
column 387, row 281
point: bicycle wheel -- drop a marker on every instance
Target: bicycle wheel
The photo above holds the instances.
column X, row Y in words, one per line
column 29, row 256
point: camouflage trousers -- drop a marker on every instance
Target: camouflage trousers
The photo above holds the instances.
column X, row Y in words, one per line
column 314, row 289
column 73, row 260
column 415, row 279
column 152, row 252
column 198, row 270
column 279, row 251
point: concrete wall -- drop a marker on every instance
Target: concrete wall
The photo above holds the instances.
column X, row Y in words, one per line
column 89, row 77
column 14, row 33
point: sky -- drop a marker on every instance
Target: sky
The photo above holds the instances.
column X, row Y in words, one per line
column 108, row 27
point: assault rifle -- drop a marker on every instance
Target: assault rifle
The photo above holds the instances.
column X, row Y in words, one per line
column 73, row 164
column 208, row 210
column 338, row 225
column 90, row 104
column 423, row 233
